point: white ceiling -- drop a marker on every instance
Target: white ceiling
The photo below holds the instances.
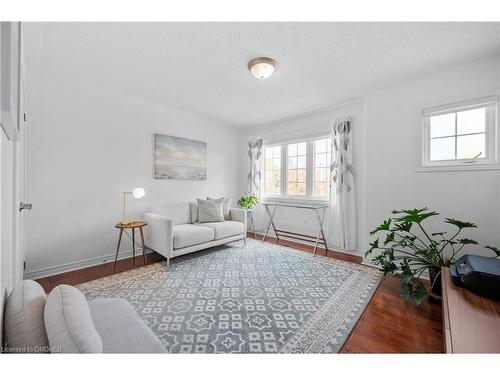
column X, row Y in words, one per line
column 202, row 67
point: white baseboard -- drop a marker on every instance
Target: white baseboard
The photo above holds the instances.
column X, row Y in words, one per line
column 355, row 252
column 76, row 265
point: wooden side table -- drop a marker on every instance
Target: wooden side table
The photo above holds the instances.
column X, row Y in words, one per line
column 132, row 225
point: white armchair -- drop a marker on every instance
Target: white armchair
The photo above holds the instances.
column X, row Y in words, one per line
column 172, row 231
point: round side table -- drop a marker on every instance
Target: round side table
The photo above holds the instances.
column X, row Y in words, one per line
column 133, row 225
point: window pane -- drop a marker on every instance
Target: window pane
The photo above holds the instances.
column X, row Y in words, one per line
column 469, row 146
column 301, row 175
column 302, row 148
column 443, row 148
column 269, row 153
column 301, row 162
column 320, row 160
column 292, row 162
column 292, row 188
column 292, row 149
column 472, row 121
column 329, row 144
column 443, row 125
column 301, row 188
column 320, row 145
column 320, row 174
column 277, row 152
column 321, row 188
column 277, row 164
column 292, row 175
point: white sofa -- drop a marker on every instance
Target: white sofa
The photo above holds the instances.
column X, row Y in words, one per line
column 174, row 229
column 65, row 322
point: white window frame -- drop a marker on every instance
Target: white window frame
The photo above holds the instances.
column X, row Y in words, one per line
column 310, row 160
column 490, row 161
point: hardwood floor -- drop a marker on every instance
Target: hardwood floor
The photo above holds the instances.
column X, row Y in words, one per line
column 389, row 324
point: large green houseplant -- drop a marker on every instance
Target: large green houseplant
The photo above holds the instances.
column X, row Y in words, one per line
column 409, row 249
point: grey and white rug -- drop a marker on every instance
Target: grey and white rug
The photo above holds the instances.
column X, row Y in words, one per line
column 262, row 298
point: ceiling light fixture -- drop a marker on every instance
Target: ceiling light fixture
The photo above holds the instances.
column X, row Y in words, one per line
column 262, row 67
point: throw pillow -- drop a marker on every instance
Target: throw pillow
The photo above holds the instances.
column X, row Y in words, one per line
column 193, row 208
column 23, row 322
column 68, row 322
column 227, row 206
column 210, row 211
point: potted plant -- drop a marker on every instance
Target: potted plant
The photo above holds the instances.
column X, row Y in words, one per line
column 247, row 201
column 409, row 249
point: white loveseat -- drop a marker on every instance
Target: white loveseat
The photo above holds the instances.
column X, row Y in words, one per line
column 174, row 229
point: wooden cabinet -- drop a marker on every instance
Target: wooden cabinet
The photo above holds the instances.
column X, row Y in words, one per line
column 471, row 323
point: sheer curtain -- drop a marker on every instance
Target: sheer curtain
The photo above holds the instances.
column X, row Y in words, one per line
column 342, row 199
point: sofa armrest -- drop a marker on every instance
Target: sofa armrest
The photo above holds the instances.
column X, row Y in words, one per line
column 161, row 229
column 239, row 214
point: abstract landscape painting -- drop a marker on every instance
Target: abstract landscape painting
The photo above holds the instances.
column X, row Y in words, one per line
column 180, row 158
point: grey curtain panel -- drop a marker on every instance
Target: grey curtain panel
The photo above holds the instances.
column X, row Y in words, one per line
column 254, row 172
column 342, row 199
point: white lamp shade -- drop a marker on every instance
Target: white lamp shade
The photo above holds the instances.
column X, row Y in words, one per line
column 138, row 193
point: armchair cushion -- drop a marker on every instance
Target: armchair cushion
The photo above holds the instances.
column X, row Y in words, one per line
column 188, row 234
column 121, row 329
column 225, row 229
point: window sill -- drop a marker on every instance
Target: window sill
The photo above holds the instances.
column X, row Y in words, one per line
column 459, row 167
column 289, row 199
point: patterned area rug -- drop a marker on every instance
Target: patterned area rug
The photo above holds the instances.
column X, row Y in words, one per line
column 262, row 298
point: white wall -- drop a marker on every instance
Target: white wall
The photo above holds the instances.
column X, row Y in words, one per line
column 392, row 143
column 304, row 125
column 85, row 146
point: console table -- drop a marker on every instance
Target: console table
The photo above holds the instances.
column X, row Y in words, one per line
column 471, row 323
column 318, row 209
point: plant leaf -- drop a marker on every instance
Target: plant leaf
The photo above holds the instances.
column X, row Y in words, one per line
column 467, row 241
column 494, row 249
column 419, row 293
column 460, row 224
column 386, row 225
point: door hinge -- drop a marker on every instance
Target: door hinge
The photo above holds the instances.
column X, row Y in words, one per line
column 25, row 117
column 24, row 266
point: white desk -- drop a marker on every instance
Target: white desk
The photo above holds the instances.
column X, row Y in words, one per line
column 316, row 208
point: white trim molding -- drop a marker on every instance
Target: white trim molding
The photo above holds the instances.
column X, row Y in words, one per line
column 73, row 266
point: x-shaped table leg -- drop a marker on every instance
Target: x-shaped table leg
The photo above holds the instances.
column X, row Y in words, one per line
column 321, row 220
column 271, row 222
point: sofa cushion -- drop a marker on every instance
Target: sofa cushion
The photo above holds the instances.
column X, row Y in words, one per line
column 189, row 234
column 178, row 212
column 225, row 228
column 121, row 329
column 23, row 322
column 68, row 322
column 210, row 210
column 226, row 206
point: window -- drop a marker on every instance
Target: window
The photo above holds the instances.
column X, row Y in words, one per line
column 460, row 135
column 273, row 170
column 303, row 165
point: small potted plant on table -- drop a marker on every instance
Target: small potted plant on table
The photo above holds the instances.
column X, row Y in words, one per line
column 409, row 249
column 247, row 202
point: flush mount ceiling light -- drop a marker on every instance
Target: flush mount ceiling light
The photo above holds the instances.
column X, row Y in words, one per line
column 262, row 67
